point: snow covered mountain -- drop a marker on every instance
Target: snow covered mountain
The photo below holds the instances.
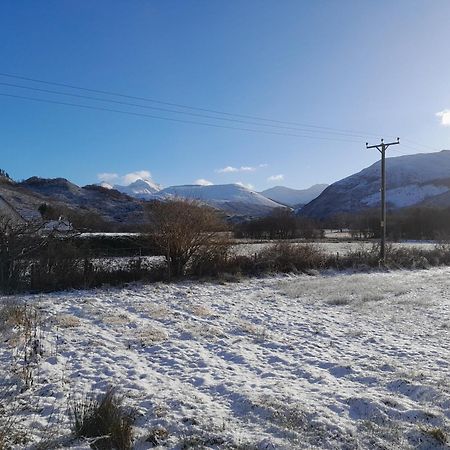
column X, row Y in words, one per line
column 143, row 189
column 294, row 197
column 232, row 198
column 419, row 179
column 123, row 204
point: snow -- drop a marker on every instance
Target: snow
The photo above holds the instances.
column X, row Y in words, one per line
column 143, row 189
column 219, row 193
column 231, row 198
column 410, row 180
column 110, row 264
column 326, row 362
column 404, row 196
column 411, row 169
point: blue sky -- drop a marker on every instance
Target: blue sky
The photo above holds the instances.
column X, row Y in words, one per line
column 378, row 68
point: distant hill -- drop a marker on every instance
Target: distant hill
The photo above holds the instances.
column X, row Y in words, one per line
column 26, row 197
column 233, row 199
column 412, row 180
column 294, row 197
column 22, row 200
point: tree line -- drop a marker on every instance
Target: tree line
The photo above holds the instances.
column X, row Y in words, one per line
column 414, row 223
column 282, row 223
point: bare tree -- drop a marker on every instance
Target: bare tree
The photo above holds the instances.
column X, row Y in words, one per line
column 182, row 229
column 17, row 242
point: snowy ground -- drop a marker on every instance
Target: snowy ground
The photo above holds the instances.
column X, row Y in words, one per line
column 325, row 362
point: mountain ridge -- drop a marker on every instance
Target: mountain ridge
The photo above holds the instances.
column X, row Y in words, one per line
column 234, row 199
column 410, row 180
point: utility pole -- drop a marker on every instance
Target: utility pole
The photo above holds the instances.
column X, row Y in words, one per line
column 382, row 149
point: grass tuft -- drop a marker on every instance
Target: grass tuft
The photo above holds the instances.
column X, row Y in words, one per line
column 103, row 422
column 437, row 434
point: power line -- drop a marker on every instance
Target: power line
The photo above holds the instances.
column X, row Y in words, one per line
column 171, row 119
column 50, row 91
column 400, row 153
column 269, row 122
column 421, row 146
column 179, row 105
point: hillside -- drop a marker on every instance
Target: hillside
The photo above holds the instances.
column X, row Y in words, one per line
column 411, row 180
column 26, row 197
column 294, row 197
column 22, row 200
column 233, row 199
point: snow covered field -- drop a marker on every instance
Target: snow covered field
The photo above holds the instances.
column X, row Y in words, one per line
column 326, row 362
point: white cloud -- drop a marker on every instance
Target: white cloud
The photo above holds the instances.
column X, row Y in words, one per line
column 108, row 177
column 279, row 177
column 246, row 185
column 126, row 179
column 203, row 182
column 263, row 165
column 139, row 175
column 231, row 169
column 445, row 117
column 228, row 169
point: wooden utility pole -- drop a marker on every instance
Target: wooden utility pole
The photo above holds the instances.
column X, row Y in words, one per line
column 382, row 149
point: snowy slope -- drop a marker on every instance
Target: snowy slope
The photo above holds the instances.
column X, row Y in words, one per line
column 143, row 189
column 411, row 180
column 292, row 197
column 8, row 211
column 232, row 198
column 300, row 362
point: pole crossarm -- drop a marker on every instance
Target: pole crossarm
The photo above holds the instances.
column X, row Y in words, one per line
column 381, row 145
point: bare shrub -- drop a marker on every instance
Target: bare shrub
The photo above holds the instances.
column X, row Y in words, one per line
column 437, row 434
column 103, row 422
column 11, row 433
column 182, row 230
column 60, row 265
column 21, row 323
column 12, row 314
column 135, row 270
column 280, row 257
column 409, row 258
column 396, row 258
column 17, row 242
column 363, row 257
column 284, row 257
column 201, row 440
column 211, row 259
column 157, row 436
